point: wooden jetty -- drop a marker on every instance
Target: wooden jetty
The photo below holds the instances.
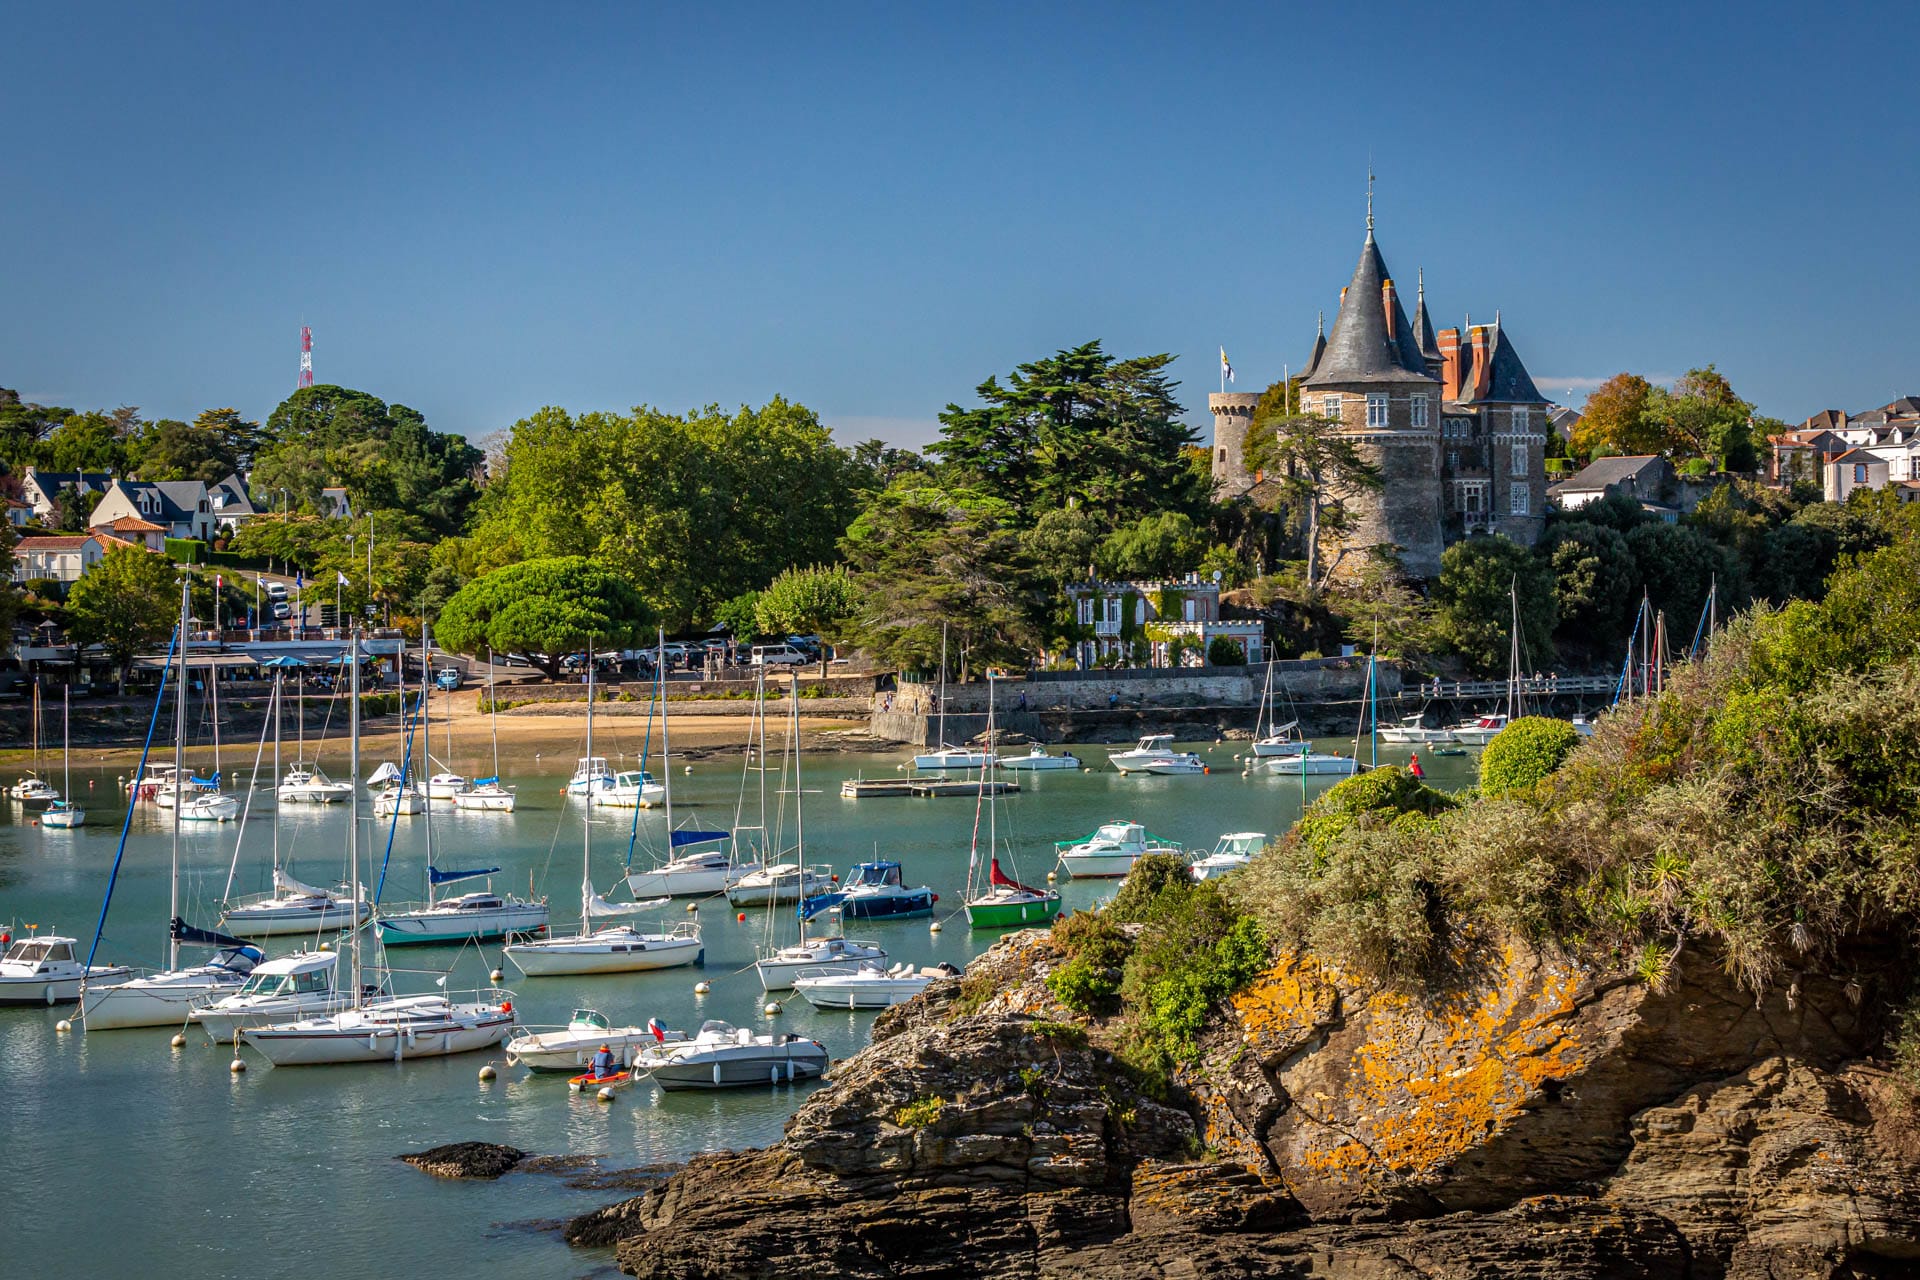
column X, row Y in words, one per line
column 865, row 788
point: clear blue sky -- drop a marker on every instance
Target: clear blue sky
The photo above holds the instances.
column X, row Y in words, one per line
column 482, row 209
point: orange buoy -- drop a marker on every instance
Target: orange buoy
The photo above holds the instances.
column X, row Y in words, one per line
column 741, row 918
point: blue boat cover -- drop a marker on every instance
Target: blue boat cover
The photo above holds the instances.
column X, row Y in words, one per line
column 210, row 784
column 819, row 902
column 486, row 782
column 184, row 932
column 437, row 876
column 698, row 837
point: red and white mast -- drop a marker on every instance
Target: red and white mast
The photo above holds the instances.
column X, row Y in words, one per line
column 306, row 355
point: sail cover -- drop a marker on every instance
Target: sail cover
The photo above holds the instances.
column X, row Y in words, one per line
column 819, row 902
column 287, row 884
column 387, row 772
column 193, row 937
column 697, row 837
column 1000, row 879
column 436, row 876
column 598, row 907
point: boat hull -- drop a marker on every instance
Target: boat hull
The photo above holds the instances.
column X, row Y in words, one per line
column 221, row 1025
column 790, row 888
column 560, row 959
column 868, row 993
column 1098, row 866
column 729, row 1068
column 777, row 974
column 1338, row 766
column 271, row 922
column 145, row 1003
column 415, row 927
column 1031, row 764
column 888, row 906
column 1416, row 736
column 296, row 1046
column 58, row 988
column 1012, row 915
column 1215, row 866
column 937, row 762
column 566, row 1052
column 484, row 802
column 1285, row 747
column 677, row 884
column 65, row 819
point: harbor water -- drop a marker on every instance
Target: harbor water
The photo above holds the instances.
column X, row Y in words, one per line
column 124, row 1155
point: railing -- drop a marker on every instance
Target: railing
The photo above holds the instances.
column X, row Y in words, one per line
column 1534, row 686
column 1104, row 627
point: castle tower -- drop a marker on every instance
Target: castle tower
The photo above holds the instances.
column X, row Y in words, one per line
column 1232, row 416
column 1375, row 378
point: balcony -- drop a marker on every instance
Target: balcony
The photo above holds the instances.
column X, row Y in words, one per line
column 1106, row 627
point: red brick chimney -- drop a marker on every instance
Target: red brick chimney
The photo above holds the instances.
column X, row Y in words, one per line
column 1482, row 338
column 1449, row 340
column 1387, row 301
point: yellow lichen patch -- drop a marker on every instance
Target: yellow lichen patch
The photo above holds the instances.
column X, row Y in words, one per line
column 1285, row 1005
column 1431, row 1081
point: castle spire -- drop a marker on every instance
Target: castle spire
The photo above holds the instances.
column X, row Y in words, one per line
column 1369, row 204
column 1423, row 335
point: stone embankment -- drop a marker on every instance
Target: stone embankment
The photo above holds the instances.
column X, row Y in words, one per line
column 1537, row 1118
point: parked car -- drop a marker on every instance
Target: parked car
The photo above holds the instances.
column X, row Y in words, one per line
column 276, row 590
column 448, row 678
column 776, row 655
column 282, row 610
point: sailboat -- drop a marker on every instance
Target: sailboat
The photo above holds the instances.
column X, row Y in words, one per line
column 395, row 793
column 394, row 1028
column 1000, row 902
column 944, row 756
column 1279, row 739
column 1413, row 729
column 290, row 906
column 616, row 948
column 701, row 870
column 162, row 999
column 305, row 781
column 486, row 795
column 33, row 789
column 779, row 966
column 206, row 802
column 468, row 917
column 1482, row 730
column 64, row 815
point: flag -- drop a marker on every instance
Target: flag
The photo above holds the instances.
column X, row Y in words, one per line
column 1226, row 369
column 659, row 1032
column 299, row 579
column 341, row 578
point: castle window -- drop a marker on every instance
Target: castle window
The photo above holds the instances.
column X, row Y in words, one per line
column 1223, row 455
column 1376, row 408
column 1453, row 459
column 1519, row 459
column 1517, row 503
column 1520, row 421
column 1330, row 407
column 1419, row 410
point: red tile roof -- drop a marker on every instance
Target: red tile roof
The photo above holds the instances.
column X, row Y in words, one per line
column 133, row 524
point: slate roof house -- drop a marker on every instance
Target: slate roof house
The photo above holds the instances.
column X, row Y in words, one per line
column 1452, row 419
column 1646, row 478
column 180, row 506
column 42, row 489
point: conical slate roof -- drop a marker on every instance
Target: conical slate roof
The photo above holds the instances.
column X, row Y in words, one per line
column 1360, row 349
column 1319, row 349
column 1422, row 326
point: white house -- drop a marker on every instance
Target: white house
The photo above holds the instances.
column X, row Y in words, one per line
column 64, row 558
column 1125, row 621
column 182, row 507
column 1854, row 469
column 42, row 489
column 231, row 503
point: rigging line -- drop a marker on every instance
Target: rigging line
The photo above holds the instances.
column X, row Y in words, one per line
column 253, row 784
column 126, row 823
column 393, row 819
column 646, row 749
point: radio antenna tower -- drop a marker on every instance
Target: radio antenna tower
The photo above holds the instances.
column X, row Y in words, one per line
column 306, row 355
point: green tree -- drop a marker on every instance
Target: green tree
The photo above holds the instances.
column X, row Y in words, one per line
column 812, row 601
column 1314, row 468
column 74, row 508
column 86, row 442
column 1614, row 419
column 1524, row 753
column 544, row 609
column 206, row 449
column 1481, row 580
column 384, row 455
column 23, row 426
column 1702, row 418
column 1595, row 581
column 1166, row 544
column 1384, row 614
column 740, row 615
column 1678, row 566
column 885, row 463
column 1061, row 545
column 126, row 603
column 925, row 557
column 1076, row 426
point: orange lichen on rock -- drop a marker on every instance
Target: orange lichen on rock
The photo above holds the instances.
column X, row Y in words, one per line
column 1286, row 1005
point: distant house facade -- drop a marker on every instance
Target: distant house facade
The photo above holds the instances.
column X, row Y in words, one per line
column 1854, row 469
column 1648, row 479
column 1890, row 433
column 334, row 502
column 19, row 512
column 1158, row 624
column 141, row 533
column 64, row 558
column 41, row 489
column 232, row 504
column 181, row 507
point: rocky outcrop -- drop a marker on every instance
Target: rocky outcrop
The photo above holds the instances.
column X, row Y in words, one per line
column 485, row 1160
column 1537, row 1118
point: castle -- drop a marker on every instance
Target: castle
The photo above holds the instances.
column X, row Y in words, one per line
column 1452, row 420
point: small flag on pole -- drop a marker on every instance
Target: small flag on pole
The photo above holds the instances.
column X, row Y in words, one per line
column 1226, row 369
column 341, row 578
column 659, row 1032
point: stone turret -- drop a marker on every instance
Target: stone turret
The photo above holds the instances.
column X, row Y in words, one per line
column 1232, row 416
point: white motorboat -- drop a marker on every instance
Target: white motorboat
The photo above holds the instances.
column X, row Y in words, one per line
column 947, row 758
column 571, row 1048
column 43, row 970
column 781, row 966
column 486, row 795
column 210, row 806
column 780, row 882
column 33, row 791
column 1039, row 758
column 723, row 1056
column 147, row 784
column 445, row 786
column 283, row 989
column 869, row 986
column 1584, row 725
column 165, row 999
column 1413, row 729
column 292, row 907
column 1111, row 850
column 404, row 801
column 1315, row 764
column 309, row 784
column 1155, row 754
column 1478, row 733
column 591, row 775
column 471, row 917
column 631, row 789
column 392, row 1030
column 1230, row 854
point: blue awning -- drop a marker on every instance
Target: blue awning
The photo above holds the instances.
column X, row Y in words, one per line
column 698, row 837
column 437, row 876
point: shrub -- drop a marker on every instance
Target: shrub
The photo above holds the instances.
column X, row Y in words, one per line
column 184, row 550
column 1222, row 652
column 1084, row 987
column 1144, row 891
column 1524, row 753
column 919, row 1113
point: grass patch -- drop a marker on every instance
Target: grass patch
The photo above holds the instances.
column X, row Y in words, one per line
column 919, row 1113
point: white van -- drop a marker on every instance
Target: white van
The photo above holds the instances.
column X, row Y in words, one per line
column 776, row 655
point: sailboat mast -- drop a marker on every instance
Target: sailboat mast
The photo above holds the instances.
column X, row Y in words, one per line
column 586, row 815
column 66, row 745
column 279, row 679
column 666, row 748
column 426, row 750
column 179, row 773
column 1513, row 652
column 353, row 797
column 943, row 685
column 799, row 794
column 760, row 711
column 993, row 809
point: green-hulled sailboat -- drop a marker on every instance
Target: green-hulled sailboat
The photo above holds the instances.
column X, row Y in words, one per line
column 996, row 901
